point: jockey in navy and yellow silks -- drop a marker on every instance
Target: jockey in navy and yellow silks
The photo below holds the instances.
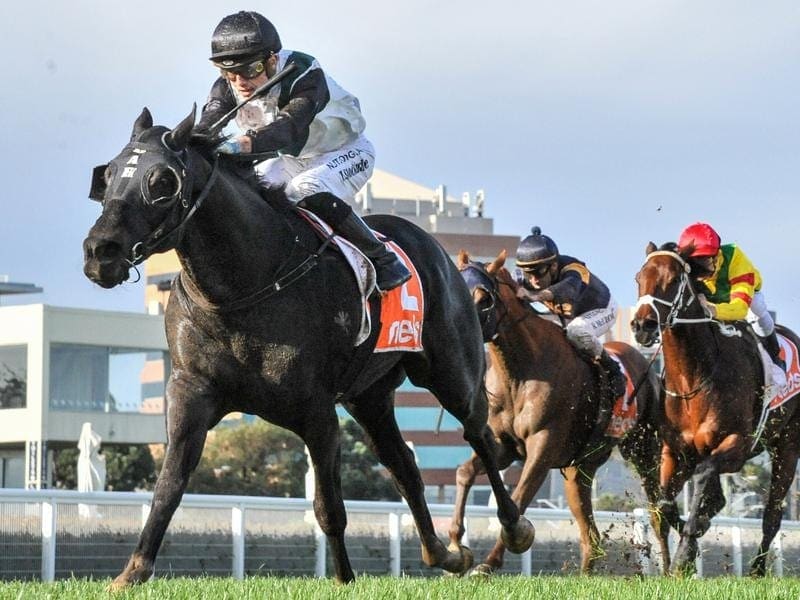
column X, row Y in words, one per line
column 566, row 286
column 732, row 282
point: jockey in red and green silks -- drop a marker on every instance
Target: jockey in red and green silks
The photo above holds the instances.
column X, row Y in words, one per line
column 733, row 284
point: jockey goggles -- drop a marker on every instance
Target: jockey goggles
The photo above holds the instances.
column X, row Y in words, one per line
column 249, row 70
column 537, row 271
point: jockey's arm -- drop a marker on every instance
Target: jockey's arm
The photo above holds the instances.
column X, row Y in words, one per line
column 220, row 100
column 309, row 96
column 742, row 279
column 570, row 285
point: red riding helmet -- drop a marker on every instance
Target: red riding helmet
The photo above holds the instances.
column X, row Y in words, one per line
column 706, row 241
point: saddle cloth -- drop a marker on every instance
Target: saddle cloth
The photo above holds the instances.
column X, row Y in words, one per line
column 624, row 413
column 781, row 386
column 402, row 309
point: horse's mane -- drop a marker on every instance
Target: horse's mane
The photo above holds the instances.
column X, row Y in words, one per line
column 244, row 170
column 669, row 247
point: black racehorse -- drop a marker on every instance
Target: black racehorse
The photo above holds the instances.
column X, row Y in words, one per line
column 263, row 322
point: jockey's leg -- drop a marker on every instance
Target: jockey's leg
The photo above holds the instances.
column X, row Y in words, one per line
column 389, row 271
column 764, row 326
column 325, row 185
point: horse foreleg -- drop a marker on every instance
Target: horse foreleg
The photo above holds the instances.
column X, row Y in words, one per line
column 375, row 414
column 189, row 417
column 676, row 470
column 784, row 463
column 518, row 532
column 321, row 436
column 578, row 490
column 534, row 472
column 706, row 502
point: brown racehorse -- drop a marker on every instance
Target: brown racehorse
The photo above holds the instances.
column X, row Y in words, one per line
column 543, row 406
column 714, row 385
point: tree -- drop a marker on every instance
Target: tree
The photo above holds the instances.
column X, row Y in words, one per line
column 361, row 475
column 12, row 389
column 261, row 459
column 128, row 468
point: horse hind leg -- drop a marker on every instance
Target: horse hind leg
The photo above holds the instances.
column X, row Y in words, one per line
column 784, row 463
column 578, row 491
column 642, row 448
column 373, row 410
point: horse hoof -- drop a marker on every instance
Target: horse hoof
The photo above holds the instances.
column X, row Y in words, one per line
column 482, row 570
column 138, row 570
column 520, row 536
column 459, row 559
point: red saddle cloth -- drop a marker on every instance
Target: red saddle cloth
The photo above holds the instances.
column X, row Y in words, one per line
column 788, row 354
column 402, row 312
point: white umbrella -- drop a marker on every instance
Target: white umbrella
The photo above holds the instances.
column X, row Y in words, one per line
column 91, row 466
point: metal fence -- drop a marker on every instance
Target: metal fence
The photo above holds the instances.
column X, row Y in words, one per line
column 53, row 534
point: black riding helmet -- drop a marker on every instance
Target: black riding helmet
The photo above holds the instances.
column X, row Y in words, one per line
column 536, row 249
column 241, row 38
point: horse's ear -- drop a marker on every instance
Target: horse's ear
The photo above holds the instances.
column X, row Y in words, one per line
column 685, row 252
column 144, row 121
column 178, row 138
column 651, row 247
column 498, row 262
column 463, row 259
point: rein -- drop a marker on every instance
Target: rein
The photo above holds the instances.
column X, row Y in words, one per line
column 280, row 283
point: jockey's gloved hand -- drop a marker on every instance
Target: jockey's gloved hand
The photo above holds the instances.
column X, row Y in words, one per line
column 534, row 296
column 709, row 307
column 205, row 139
column 236, row 144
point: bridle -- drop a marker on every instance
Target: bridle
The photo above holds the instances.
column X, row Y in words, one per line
column 149, row 157
column 478, row 278
column 684, row 297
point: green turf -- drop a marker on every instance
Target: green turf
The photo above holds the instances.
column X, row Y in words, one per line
column 374, row 588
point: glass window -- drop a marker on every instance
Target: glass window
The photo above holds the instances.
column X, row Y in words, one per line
column 103, row 379
column 13, row 376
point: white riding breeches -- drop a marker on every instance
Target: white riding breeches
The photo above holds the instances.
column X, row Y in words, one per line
column 758, row 316
column 342, row 172
column 584, row 330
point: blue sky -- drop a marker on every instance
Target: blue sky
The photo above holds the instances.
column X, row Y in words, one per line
column 608, row 124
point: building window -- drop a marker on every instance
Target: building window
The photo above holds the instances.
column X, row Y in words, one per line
column 106, row 379
column 13, row 376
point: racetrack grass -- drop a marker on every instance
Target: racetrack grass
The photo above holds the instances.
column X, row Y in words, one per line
column 374, row 588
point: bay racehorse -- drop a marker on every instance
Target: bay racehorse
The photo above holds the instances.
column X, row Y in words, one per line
column 714, row 384
column 543, row 406
column 263, row 319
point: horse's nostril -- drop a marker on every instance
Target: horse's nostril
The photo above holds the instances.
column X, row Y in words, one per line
column 650, row 325
column 105, row 250
column 635, row 326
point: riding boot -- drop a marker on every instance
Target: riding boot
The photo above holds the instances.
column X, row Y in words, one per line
column 390, row 272
column 773, row 348
column 616, row 380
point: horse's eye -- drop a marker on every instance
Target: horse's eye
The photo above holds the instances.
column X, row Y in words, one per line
column 162, row 184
